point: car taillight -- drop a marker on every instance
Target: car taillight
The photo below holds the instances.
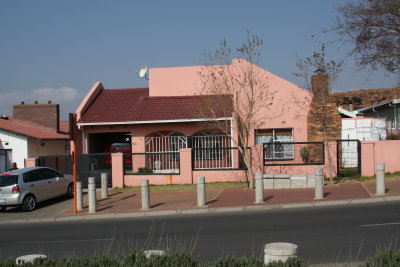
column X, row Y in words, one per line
column 15, row 189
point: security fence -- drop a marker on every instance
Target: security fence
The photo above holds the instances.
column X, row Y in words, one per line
column 217, row 158
column 151, row 163
column 92, row 165
column 293, row 153
column 61, row 163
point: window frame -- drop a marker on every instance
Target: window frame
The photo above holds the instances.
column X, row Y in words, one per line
column 258, row 132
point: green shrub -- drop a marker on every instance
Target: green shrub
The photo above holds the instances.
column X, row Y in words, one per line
column 144, row 170
column 389, row 258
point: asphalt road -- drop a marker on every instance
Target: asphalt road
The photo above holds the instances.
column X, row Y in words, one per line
column 323, row 234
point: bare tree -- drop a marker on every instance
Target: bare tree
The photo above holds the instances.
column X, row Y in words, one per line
column 373, row 28
column 240, row 91
column 322, row 109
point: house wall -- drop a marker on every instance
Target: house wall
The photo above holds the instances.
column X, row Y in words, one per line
column 289, row 105
column 373, row 152
column 49, row 147
column 17, row 143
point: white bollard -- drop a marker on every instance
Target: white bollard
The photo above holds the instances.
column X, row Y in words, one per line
column 259, row 188
column 104, row 185
column 79, row 196
column 29, row 258
column 319, row 183
column 279, row 252
column 92, row 194
column 201, row 191
column 380, row 179
column 145, row 195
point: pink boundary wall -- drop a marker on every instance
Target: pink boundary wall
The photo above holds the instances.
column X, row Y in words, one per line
column 373, row 152
column 186, row 176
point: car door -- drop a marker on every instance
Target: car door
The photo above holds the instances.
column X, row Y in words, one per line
column 56, row 181
column 36, row 184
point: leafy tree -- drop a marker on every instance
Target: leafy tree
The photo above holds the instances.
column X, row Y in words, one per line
column 372, row 27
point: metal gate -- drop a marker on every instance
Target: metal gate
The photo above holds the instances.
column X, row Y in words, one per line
column 93, row 165
column 348, row 158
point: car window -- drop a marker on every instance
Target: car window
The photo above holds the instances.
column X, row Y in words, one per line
column 49, row 174
column 31, row 176
column 7, row 180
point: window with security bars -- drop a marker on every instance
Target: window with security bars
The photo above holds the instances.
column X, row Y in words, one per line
column 274, row 141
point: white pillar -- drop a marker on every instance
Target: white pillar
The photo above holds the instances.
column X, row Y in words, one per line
column 79, row 196
column 380, row 179
column 145, row 195
column 259, row 188
column 201, row 191
column 319, row 183
column 279, row 252
column 104, row 185
column 92, row 195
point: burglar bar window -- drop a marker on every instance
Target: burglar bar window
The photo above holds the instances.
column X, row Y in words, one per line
column 274, row 141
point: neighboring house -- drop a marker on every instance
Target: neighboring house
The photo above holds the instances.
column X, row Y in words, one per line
column 34, row 130
column 389, row 110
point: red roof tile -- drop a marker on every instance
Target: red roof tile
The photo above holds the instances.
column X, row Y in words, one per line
column 31, row 129
column 135, row 105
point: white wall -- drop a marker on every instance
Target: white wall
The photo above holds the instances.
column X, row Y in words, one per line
column 17, row 143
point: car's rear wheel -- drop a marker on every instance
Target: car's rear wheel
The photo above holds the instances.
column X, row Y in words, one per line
column 29, row 203
column 3, row 209
column 70, row 190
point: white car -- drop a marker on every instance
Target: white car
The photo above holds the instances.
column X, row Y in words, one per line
column 25, row 187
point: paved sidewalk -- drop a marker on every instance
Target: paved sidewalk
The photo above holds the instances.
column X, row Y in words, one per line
column 128, row 204
column 179, row 201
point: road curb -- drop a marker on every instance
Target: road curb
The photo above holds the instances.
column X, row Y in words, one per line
column 217, row 210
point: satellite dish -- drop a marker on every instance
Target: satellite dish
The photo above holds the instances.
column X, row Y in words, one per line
column 143, row 72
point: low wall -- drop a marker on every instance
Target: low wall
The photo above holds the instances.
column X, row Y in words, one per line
column 385, row 151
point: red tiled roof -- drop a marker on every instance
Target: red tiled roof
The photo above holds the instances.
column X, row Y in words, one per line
column 135, row 105
column 32, row 129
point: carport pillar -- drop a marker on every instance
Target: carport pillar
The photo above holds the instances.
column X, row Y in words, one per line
column 145, row 195
column 319, row 183
column 380, row 179
column 79, row 196
column 104, row 185
column 92, row 195
column 201, row 191
column 259, row 188
column 117, row 165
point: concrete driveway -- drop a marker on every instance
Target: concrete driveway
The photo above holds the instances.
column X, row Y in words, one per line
column 46, row 209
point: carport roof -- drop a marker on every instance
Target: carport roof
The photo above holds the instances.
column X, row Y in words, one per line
column 134, row 106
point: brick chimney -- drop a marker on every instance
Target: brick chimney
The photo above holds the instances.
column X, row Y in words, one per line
column 42, row 114
column 320, row 86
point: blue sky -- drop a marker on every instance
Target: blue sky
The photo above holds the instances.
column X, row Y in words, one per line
column 56, row 50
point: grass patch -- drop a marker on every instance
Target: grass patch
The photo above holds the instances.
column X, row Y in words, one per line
column 357, row 179
column 182, row 187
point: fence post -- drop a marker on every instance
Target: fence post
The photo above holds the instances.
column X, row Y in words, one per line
column 79, row 196
column 145, row 195
column 92, row 194
column 380, row 179
column 259, row 187
column 104, row 185
column 319, row 183
column 201, row 191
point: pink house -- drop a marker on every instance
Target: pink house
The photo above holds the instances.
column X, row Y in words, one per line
column 171, row 143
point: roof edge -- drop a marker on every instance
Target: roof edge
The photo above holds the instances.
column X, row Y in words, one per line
column 148, row 122
column 96, row 89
